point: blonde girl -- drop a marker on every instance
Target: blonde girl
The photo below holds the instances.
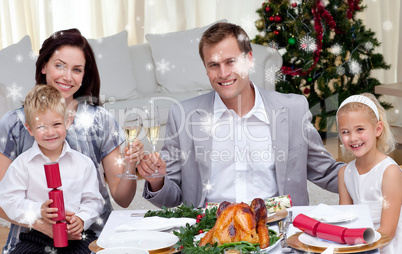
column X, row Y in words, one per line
column 372, row 178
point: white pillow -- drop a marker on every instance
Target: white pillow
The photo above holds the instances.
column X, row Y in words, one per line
column 17, row 78
column 115, row 68
column 178, row 65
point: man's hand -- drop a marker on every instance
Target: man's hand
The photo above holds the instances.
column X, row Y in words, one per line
column 147, row 167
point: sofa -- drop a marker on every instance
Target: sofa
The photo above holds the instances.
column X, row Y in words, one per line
column 165, row 70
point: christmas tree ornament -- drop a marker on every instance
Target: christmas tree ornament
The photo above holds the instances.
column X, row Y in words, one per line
column 278, row 18
column 292, row 41
column 260, row 24
column 267, row 9
column 332, row 45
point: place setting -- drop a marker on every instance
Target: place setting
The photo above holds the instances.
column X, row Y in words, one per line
column 321, row 234
column 167, row 230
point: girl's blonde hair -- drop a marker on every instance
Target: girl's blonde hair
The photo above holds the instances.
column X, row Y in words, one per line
column 386, row 141
column 41, row 98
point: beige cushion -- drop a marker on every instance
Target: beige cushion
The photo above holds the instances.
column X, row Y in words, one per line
column 178, row 65
column 115, row 67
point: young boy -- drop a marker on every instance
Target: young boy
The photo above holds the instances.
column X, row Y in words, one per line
column 24, row 192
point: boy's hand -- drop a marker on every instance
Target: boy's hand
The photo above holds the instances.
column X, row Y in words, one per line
column 48, row 213
column 75, row 226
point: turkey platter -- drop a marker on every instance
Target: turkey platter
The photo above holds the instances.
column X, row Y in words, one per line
column 239, row 222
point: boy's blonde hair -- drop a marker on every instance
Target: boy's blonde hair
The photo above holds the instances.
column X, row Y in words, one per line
column 42, row 98
column 386, row 141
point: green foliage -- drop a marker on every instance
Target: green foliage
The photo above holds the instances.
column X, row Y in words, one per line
column 341, row 68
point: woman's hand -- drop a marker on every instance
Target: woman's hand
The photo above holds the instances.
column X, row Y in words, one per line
column 75, row 227
column 135, row 152
column 147, row 167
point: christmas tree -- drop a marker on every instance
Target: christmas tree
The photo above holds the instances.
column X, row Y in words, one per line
column 327, row 52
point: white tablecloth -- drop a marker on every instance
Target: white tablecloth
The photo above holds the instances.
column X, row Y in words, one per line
column 363, row 219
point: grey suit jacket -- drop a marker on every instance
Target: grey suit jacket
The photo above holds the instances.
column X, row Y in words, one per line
column 298, row 149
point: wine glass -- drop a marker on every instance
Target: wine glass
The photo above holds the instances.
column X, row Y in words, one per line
column 151, row 128
column 132, row 127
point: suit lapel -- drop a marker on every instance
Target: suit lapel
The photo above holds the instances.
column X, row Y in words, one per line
column 279, row 125
column 201, row 127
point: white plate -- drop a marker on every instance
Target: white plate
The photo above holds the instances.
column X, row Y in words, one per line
column 123, row 250
column 148, row 240
column 321, row 243
column 155, row 224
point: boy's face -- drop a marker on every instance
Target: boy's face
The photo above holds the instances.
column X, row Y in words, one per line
column 49, row 130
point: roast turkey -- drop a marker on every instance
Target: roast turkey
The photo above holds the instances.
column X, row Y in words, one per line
column 239, row 222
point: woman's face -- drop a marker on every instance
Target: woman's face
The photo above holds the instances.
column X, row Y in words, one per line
column 65, row 70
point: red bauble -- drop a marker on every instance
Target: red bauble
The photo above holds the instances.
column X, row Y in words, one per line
column 267, row 9
column 306, row 90
column 276, row 32
column 278, row 19
column 294, row 5
column 271, row 18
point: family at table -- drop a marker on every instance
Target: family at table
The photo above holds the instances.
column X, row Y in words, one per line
column 236, row 143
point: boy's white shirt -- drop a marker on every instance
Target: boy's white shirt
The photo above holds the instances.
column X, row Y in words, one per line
column 24, row 188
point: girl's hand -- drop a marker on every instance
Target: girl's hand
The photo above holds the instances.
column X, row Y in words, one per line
column 75, row 227
column 48, row 213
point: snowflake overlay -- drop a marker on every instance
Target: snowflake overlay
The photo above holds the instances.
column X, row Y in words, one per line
column 162, row 66
column 149, row 67
column 161, row 27
column 354, row 67
column 336, row 49
column 308, row 44
column 15, row 92
column 273, row 74
column 273, row 44
column 368, row 46
column 242, row 66
column 340, row 70
column 387, row 25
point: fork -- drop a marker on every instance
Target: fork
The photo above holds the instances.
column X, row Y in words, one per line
column 283, row 228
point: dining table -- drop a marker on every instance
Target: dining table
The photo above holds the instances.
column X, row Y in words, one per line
column 360, row 218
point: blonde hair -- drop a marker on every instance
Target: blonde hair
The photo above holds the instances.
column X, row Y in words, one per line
column 386, row 141
column 41, row 98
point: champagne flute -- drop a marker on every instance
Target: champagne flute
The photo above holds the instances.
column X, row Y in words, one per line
column 132, row 127
column 151, row 128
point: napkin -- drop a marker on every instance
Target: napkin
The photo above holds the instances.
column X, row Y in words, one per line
column 326, row 213
column 155, row 224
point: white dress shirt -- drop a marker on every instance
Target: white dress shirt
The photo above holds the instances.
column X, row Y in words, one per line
column 242, row 161
column 24, row 189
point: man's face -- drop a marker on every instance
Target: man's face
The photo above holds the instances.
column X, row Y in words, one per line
column 228, row 68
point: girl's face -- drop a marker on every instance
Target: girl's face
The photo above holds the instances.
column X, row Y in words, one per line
column 357, row 132
column 65, row 70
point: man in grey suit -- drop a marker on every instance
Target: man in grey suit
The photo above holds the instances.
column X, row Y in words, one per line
column 239, row 141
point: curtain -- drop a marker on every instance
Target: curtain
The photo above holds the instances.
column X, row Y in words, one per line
column 100, row 18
